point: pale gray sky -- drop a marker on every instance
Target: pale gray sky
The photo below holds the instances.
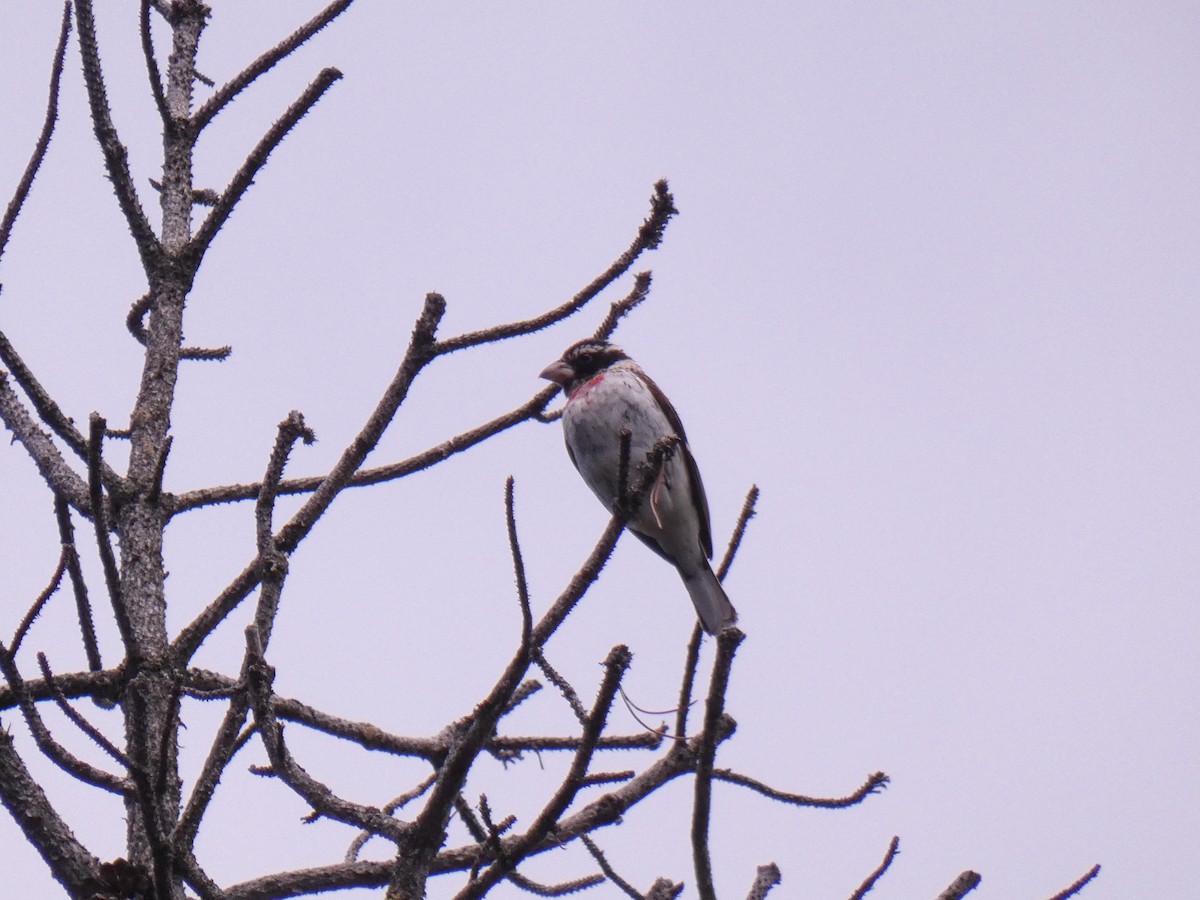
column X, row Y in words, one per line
column 933, row 288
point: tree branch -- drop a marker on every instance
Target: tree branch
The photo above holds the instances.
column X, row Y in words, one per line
column 961, row 886
column 1079, row 885
column 230, row 90
column 244, row 177
column 116, row 157
column 43, row 142
column 59, row 477
column 649, row 236
column 869, row 882
column 714, row 725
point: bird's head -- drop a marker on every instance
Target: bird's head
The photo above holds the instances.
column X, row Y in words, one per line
column 581, row 362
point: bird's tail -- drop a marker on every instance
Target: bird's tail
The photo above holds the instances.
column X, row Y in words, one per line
column 712, row 605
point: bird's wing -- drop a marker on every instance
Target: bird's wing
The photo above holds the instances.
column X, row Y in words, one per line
column 689, row 461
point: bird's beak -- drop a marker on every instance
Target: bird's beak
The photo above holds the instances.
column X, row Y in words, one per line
column 558, row 372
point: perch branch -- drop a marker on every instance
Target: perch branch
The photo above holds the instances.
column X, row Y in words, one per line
column 443, row 451
column 714, row 716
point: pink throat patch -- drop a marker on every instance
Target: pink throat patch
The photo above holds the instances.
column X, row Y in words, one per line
column 584, row 388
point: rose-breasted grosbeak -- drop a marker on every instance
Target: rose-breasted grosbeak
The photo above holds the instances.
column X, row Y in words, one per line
column 607, row 392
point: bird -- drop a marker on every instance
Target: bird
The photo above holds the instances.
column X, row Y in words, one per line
column 607, row 392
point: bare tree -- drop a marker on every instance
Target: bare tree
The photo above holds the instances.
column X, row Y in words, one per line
column 153, row 677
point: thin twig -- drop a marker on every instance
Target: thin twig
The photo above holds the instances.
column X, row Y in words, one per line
column 156, row 85
column 265, row 63
column 564, row 686
column 43, row 143
column 244, row 177
column 619, row 309
column 691, row 660
column 418, row 355
column 739, row 532
column 961, row 886
column 273, row 562
column 609, row 872
column 53, row 750
column 58, row 476
column 79, row 721
column 874, row 783
column 764, row 879
column 868, row 883
column 714, row 716
column 83, row 606
column 316, row 794
column 1079, row 885
column 390, row 808
column 116, row 157
column 649, row 236
column 112, row 576
column 40, row 601
column 531, row 409
column 518, row 564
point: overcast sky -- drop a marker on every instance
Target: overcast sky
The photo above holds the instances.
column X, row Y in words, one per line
column 933, row 288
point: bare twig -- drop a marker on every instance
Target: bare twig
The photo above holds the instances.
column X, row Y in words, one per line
column 869, row 882
column 83, row 606
column 156, row 84
column 40, row 601
column 714, row 714
column 610, row 873
column 244, row 177
column 961, row 886
column 79, row 721
column 518, row 564
column 739, row 532
column 116, row 157
column 316, row 794
column 623, row 307
column 443, row 451
column 1079, row 885
column 874, row 783
column 649, row 236
column 615, row 666
column 764, row 879
column 112, row 576
column 43, row 142
column 265, row 63
column 564, row 686
column 691, row 660
column 273, row 562
column 55, row 472
column 53, row 750
column 390, row 808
